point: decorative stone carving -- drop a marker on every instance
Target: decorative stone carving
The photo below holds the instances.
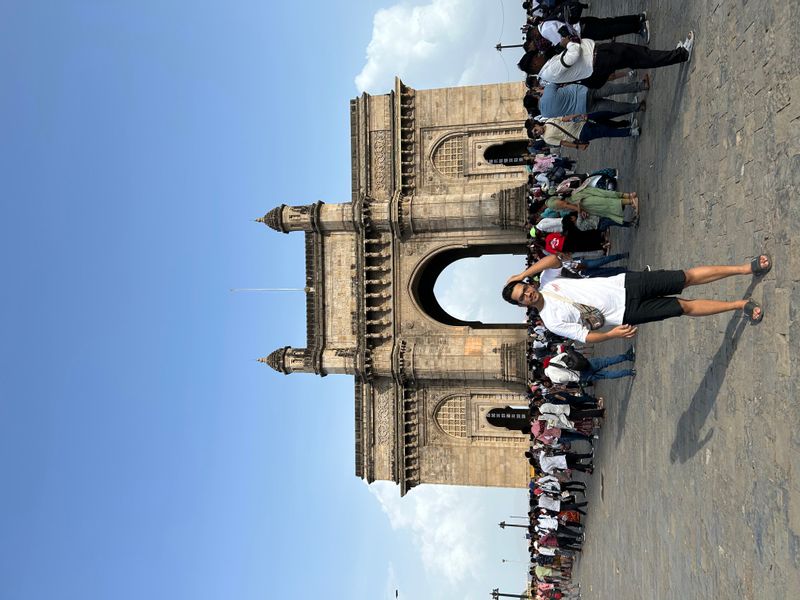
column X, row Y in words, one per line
column 381, row 160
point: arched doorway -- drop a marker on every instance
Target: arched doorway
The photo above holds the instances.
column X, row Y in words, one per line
column 512, row 153
column 423, row 285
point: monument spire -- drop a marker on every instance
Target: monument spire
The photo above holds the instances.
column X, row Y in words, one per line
column 274, row 219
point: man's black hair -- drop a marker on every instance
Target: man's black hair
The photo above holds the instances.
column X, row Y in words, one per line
column 525, row 63
column 507, row 289
column 531, row 104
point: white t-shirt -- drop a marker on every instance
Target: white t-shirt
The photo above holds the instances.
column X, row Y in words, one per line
column 545, row 551
column 546, row 522
column 607, row 294
column 558, row 374
column 549, row 463
column 549, row 503
column 550, row 225
column 549, row 275
column 549, row 31
column 575, row 64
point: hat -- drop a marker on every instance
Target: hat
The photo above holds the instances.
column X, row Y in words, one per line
column 554, row 242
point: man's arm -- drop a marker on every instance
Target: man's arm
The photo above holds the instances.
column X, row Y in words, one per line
column 571, row 55
column 620, row 331
column 548, row 262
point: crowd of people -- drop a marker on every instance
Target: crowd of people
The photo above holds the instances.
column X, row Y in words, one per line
column 576, row 292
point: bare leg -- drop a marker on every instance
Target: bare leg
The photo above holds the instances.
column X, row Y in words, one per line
column 704, row 308
column 701, row 275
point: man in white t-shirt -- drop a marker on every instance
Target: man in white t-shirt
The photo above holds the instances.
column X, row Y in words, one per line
column 593, row 64
column 625, row 300
column 597, row 28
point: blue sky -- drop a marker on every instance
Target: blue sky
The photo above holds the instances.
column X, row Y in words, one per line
column 143, row 451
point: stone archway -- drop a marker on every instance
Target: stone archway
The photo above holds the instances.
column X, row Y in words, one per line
column 423, row 280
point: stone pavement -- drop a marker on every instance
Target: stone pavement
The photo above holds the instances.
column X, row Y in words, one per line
column 697, row 488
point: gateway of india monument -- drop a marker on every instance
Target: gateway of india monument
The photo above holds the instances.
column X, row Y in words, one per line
column 424, row 195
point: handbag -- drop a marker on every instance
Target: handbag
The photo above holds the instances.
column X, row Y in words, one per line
column 591, row 317
column 587, row 223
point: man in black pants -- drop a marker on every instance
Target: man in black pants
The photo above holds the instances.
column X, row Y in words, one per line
column 614, row 56
column 596, row 28
column 625, row 300
column 594, row 64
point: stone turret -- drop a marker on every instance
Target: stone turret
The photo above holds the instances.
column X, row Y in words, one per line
column 289, row 360
column 318, row 217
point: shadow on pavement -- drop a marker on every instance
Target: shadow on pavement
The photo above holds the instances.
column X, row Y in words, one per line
column 687, row 436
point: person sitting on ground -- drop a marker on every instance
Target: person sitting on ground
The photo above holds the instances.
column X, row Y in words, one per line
column 577, row 308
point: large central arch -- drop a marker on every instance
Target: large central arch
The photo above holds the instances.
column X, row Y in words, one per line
column 428, row 271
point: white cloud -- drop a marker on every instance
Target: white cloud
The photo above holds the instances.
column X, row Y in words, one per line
column 443, row 43
column 443, row 525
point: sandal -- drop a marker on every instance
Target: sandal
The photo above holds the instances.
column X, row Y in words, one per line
column 750, row 308
column 755, row 265
column 635, row 204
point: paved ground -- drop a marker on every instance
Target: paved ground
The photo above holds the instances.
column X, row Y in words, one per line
column 697, row 491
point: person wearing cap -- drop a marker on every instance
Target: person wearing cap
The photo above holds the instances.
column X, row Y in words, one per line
column 567, row 238
column 574, row 307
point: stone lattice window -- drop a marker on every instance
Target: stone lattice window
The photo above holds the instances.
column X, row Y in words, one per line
column 451, row 416
column 448, row 157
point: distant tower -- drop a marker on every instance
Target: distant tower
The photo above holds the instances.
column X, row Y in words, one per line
column 423, row 197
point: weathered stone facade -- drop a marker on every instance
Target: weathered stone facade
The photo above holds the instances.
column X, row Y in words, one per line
column 423, row 197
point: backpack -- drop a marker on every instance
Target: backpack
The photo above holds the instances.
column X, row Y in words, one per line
column 566, row 11
column 576, row 361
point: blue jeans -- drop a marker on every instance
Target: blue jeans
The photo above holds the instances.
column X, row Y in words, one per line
column 592, row 131
column 573, row 436
column 604, row 223
column 599, row 364
column 593, row 266
column 591, row 263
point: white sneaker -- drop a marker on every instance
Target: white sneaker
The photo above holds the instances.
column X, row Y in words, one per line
column 635, row 132
column 644, row 30
column 688, row 44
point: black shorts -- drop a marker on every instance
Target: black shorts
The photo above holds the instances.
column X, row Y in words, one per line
column 649, row 296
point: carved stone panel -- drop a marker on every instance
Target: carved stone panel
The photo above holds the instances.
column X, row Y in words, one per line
column 380, row 149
